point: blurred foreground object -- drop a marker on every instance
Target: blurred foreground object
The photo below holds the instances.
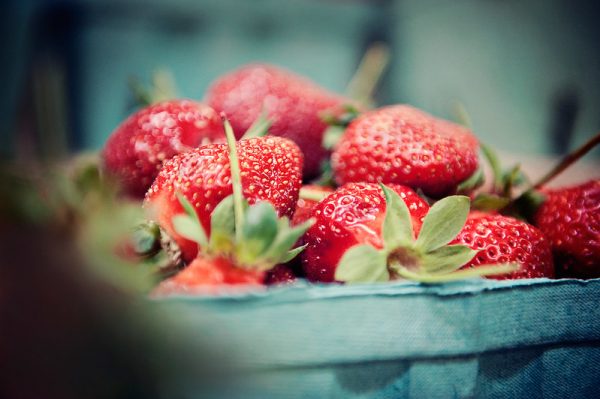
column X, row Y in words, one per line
column 74, row 318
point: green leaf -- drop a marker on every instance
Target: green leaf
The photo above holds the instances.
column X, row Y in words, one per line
column 443, row 222
column 286, row 238
column 476, row 180
column 146, row 239
column 510, row 180
column 186, row 227
column 259, row 230
column 479, row 271
column 260, row 127
column 222, row 218
column 447, row 259
column 362, row 264
column 489, row 202
column 292, row 253
column 222, row 226
column 198, row 233
column 332, row 135
column 397, row 225
column 494, row 162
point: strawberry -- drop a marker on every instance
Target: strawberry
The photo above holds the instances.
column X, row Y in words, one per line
column 293, row 105
column 502, row 239
column 136, row 150
column 245, row 241
column 352, row 215
column 310, row 195
column 361, row 235
column 270, row 171
column 570, row 218
column 205, row 275
column 400, row 144
column 280, row 274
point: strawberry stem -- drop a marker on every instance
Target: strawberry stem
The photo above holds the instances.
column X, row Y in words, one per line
column 568, row 161
column 312, row 195
column 368, row 73
column 236, row 180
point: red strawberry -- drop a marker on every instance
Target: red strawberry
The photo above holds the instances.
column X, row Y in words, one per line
column 503, row 239
column 280, row 274
column 570, row 218
column 205, row 275
column 402, row 145
column 245, row 241
column 135, row 151
column 352, row 215
column 310, row 195
column 292, row 102
column 270, row 171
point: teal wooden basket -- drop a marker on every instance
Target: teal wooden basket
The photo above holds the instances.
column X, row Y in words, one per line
column 480, row 338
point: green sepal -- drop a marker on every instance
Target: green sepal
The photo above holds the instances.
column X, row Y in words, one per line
column 512, row 178
column 189, row 225
column 222, row 227
column 337, row 125
column 489, row 202
column 286, row 237
column 332, row 135
column 476, row 272
column 326, row 177
column 447, row 259
column 292, row 253
column 494, row 162
column 146, row 239
column 476, row 180
column 260, row 127
column 259, row 230
column 443, row 222
column 526, row 205
column 397, row 225
column 362, row 264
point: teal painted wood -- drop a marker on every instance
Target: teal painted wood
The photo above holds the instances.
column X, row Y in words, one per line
column 529, row 338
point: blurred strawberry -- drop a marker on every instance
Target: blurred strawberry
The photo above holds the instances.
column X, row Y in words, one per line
column 293, row 104
column 206, row 275
column 136, row 150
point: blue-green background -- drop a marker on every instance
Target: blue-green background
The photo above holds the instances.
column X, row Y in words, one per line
column 521, row 68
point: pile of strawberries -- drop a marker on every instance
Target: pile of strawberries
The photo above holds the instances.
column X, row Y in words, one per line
column 400, row 202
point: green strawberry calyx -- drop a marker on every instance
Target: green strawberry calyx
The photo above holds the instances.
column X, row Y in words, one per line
column 427, row 258
column 253, row 236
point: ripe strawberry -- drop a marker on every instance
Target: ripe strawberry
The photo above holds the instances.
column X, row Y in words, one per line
column 205, row 275
column 280, row 274
column 402, row 145
column 270, row 171
column 245, row 241
column 310, row 195
column 292, row 102
column 570, row 218
column 503, row 239
column 352, row 215
column 135, row 151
